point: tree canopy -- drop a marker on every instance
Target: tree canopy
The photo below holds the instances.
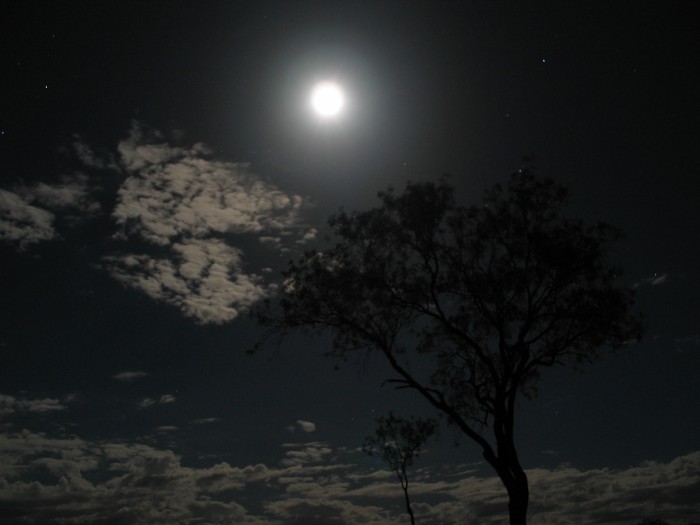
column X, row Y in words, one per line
column 399, row 442
column 487, row 296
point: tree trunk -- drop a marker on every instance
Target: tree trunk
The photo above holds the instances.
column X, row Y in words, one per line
column 506, row 463
column 404, row 485
column 514, row 480
column 518, row 498
column 408, row 507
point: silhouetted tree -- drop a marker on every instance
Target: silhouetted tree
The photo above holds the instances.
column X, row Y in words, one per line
column 399, row 442
column 487, row 296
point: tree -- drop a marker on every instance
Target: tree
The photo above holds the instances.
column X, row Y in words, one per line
column 485, row 297
column 399, row 442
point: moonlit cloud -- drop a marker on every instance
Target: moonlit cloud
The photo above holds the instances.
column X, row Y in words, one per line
column 165, row 429
column 306, row 426
column 89, row 158
column 22, row 223
column 205, row 421
column 129, row 375
column 148, row 402
column 204, row 278
column 97, row 481
column 653, row 280
column 28, row 212
column 693, row 340
column 310, row 235
column 659, row 279
column 182, row 221
column 69, row 192
column 173, row 192
column 321, row 512
column 175, row 494
column 11, row 405
column 194, row 212
column 306, row 453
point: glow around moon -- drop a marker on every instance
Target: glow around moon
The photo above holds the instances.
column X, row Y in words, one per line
column 327, row 99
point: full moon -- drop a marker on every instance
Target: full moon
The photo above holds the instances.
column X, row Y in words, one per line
column 327, row 99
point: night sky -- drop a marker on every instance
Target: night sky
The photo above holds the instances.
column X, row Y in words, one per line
column 161, row 164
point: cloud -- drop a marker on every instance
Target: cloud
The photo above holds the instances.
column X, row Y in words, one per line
column 654, row 280
column 309, row 236
column 148, row 402
column 693, row 340
column 306, row 453
column 173, row 191
column 129, row 375
column 21, row 450
column 305, row 426
column 145, row 147
column 183, row 221
column 659, row 279
column 69, row 192
column 205, row 421
column 298, row 511
column 28, row 212
column 23, row 224
column 194, row 215
column 167, row 398
column 85, row 481
column 202, row 277
column 614, row 495
column 164, row 429
column 138, row 484
column 10, row 405
column 89, row 158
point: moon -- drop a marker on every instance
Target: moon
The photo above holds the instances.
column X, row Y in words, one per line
column 327, row 99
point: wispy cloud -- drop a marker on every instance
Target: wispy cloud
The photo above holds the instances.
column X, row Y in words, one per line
column 90, row 159
column 10, row 405
column 205, row 421
column 693, row 340
column 68, row 192
column 166, row 429
column 652, row 280
column 304, row 426
column 309, row 236
column 23, row 224
column 306, row 453
column 148, row 402
column 28, row 212
column 129, row 375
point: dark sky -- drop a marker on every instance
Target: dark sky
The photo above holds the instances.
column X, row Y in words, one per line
column 160, row 166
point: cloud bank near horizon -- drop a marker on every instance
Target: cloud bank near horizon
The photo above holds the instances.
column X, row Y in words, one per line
column 108, row 481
